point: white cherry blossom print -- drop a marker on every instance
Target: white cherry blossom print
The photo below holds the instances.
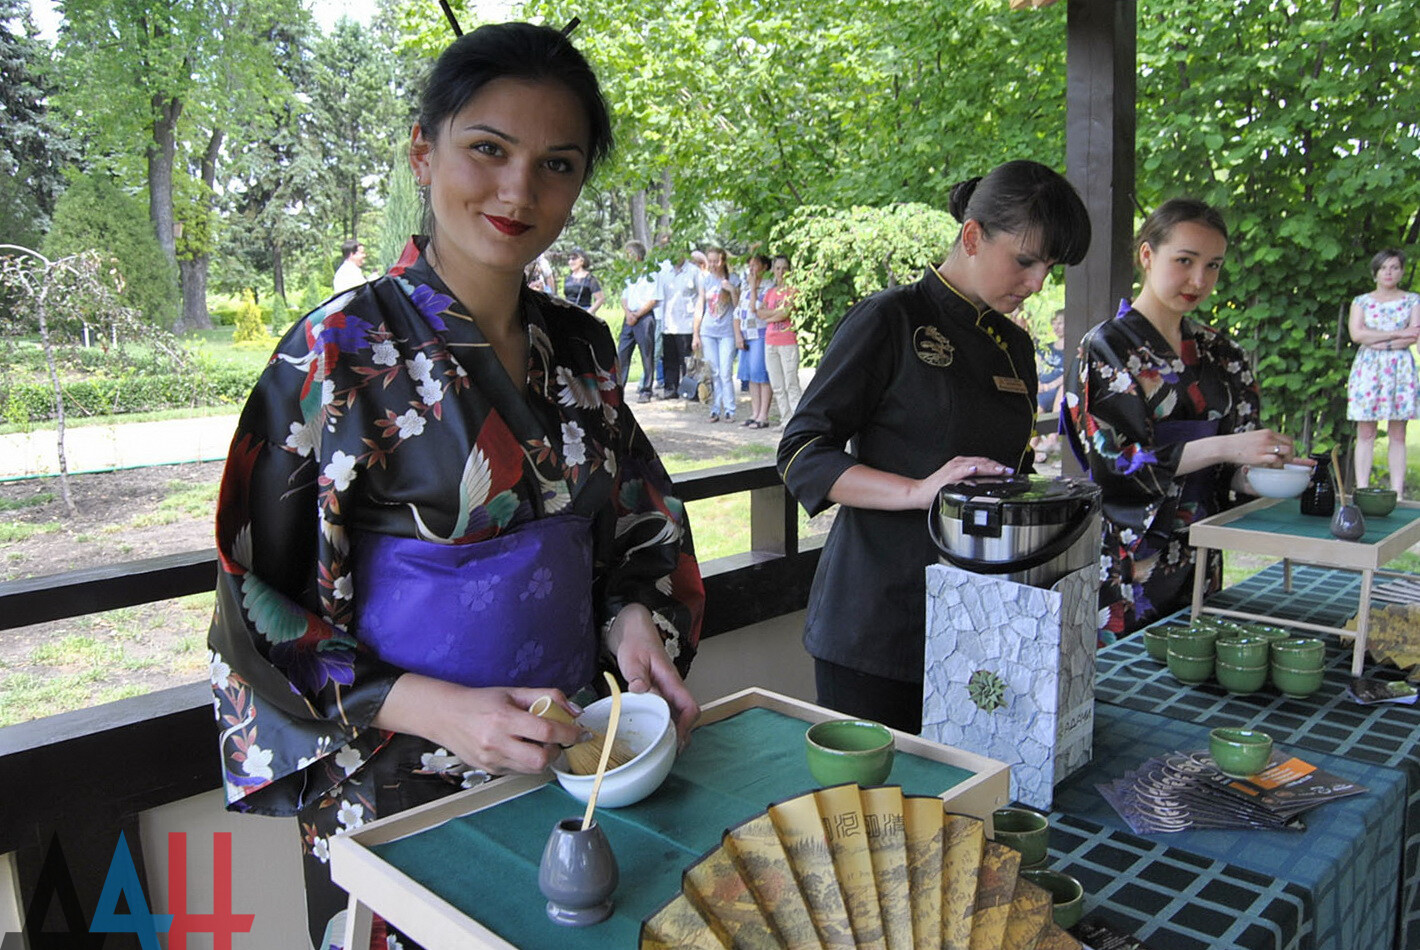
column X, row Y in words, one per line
column 384, row 353
column 340, row 470
column 410, row 424
column 344, row 587
column 257, row 764
column 219, row 671
column 420, row 368
column 430, row 392
column 349, row 759
column 302, row 439
column 321, row 849
column 327, row 392
column 351, row 815
column 574, row 450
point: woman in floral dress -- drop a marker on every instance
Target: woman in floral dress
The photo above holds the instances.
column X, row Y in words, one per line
column 437, row 507
column 1164, row 415
column 1384, row 323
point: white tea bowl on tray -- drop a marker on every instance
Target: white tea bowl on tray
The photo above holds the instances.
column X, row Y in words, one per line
column 646, row 727
column 1285, row 482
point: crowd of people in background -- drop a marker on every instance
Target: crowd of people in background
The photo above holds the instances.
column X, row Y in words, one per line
column 689, row 318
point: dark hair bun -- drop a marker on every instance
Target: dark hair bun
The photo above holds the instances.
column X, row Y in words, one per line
column 960, row 197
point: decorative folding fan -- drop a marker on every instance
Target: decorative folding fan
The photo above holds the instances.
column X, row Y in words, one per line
column 857, row 867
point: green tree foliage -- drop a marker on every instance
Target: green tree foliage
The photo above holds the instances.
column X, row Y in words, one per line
column 402, row 215
column 358, row 109
column 840, row 257
column 33, row 146
column 96, row 214
column 1299, row 121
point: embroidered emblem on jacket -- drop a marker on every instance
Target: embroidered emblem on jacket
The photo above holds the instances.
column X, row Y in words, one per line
column 932, row 347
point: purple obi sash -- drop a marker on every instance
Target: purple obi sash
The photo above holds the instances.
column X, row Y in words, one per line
column 515, row 610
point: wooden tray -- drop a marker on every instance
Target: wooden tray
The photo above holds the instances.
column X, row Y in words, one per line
column 376, row 886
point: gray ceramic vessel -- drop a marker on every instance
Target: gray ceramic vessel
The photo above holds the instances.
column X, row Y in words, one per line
column 578, row 874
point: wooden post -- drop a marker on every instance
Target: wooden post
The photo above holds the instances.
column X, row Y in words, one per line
column 1099, row 159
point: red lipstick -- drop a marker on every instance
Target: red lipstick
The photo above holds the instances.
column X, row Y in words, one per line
column 508, row 225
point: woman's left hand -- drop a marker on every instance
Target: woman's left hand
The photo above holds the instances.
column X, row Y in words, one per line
column 644, row 664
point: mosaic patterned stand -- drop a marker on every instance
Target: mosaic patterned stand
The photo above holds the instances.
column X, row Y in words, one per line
column 1384, row 735
column 1010, row 672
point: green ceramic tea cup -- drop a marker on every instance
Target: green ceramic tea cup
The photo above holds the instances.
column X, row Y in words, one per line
column 849, row 750
column 1244, row 651
column 1239, row 752
column 1156, row 642
column 1067, row 896
column 1297, row 684
column 1299, row 651
column 1187, row 641
column 1025, row 830
column 1190, row 669
column 1375, row 502
column 1240, row 679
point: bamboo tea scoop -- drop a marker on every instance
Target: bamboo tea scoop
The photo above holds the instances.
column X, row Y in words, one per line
column 582, row 758
column 606, row 749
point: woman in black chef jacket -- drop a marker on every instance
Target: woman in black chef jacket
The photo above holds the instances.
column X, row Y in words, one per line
column 936, row 386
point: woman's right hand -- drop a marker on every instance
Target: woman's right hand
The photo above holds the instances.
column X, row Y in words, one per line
column 1262, row 447
column 958, row 469
column 488, row 728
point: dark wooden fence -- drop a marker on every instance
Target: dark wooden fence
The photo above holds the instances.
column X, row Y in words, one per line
column 79, row 778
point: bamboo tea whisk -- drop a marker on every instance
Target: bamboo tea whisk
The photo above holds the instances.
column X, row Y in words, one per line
column 582, row 758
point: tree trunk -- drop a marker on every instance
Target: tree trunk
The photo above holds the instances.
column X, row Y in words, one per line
column 42, row 315
column 278, row 270
column 193, row 273
column 160, row 172
column 640, row 230
column 663, row 215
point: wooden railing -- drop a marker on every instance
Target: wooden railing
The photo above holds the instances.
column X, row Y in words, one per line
column 80, row 777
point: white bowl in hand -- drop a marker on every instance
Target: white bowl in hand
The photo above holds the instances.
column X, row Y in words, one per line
column 647, row 729
column 1285, row 482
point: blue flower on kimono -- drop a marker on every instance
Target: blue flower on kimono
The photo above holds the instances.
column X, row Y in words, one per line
column 1133, row 458
column 332, row 661
column 344, row 331
column 430, row 304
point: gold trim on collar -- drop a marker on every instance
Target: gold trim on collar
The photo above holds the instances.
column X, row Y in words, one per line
column 965, row 299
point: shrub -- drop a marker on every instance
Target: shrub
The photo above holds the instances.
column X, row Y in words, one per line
column 27, row 402
column 96, row 213
column 839, row 256
column 252, row 326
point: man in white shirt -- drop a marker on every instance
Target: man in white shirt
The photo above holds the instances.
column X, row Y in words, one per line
column 683, row 293
column 348, row 274
column 638, row 328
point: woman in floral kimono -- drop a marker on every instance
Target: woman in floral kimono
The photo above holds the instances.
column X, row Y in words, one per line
column 1164, row 414
column 437, row 508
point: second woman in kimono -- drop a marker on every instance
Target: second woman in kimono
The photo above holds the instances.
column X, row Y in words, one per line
column 1165, row 411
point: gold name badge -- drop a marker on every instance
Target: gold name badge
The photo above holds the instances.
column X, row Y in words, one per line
column 1010, row 384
